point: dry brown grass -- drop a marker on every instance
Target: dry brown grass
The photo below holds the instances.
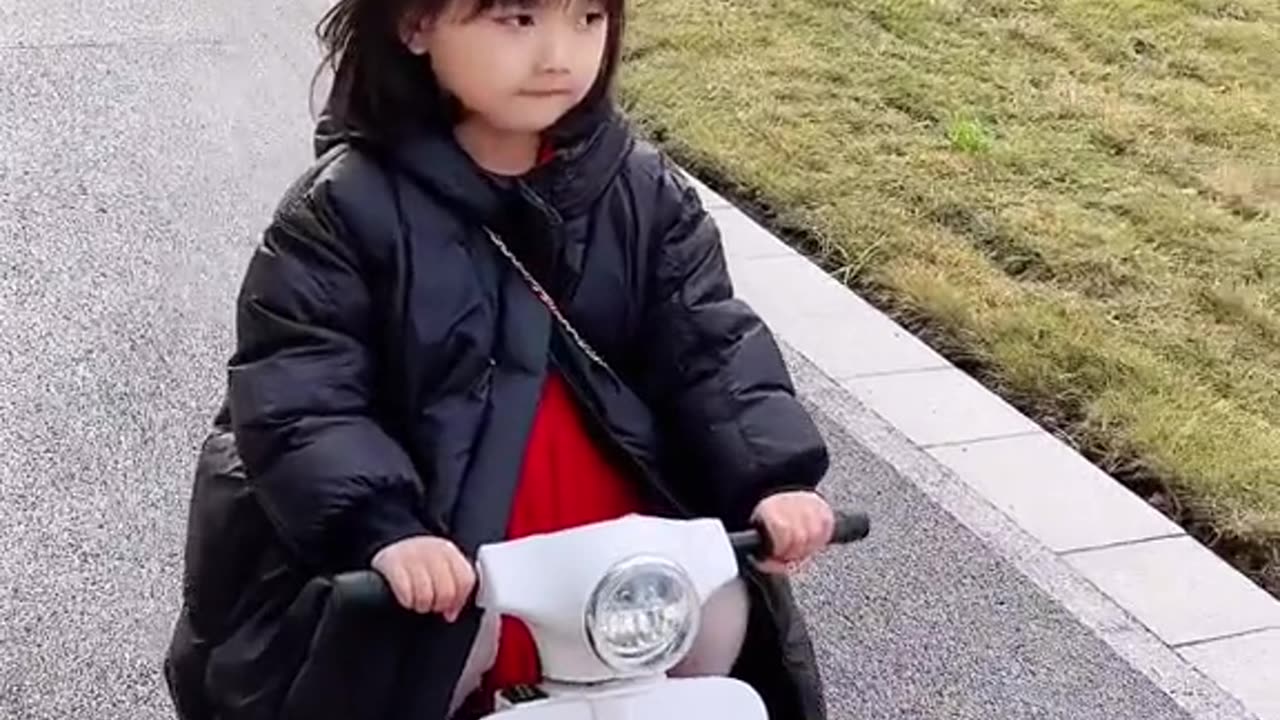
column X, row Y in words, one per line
column 1083, row 196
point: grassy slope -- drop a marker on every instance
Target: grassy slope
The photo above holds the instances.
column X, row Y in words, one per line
column 1082, row 196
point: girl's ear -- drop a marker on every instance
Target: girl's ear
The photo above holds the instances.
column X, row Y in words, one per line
column 415, row 32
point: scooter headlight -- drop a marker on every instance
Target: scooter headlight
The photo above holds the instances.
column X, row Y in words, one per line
column 643, row 616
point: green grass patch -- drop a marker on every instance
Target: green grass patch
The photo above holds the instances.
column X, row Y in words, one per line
column 1081, row 196
column 969, row 135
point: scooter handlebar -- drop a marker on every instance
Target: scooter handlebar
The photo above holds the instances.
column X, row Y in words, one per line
column 363, row 589
column 851, row 526
column 366, row 589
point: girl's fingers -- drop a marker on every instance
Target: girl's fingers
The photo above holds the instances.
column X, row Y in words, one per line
column 799, row 525
column 784, row 537
column 774, row 567
column 464, row 580
column 427, row 575
column 424, row 591
column 446, row 590
column 818, row 526
column 401, row 584
column 779, row 567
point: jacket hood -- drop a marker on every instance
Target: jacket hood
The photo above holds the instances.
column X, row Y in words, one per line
column 590, row 148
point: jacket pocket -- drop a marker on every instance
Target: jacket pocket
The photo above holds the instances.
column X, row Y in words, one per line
column 350, row 668
column 250, row 673
column 226, row 533
column 315, row 658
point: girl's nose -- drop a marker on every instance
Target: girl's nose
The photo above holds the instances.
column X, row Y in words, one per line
column 556, row 50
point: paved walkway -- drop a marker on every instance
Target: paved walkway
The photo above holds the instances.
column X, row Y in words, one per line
column 143, row 145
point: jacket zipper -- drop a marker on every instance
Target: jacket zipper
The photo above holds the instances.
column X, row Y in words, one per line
column 619, row 449
column 594, row 416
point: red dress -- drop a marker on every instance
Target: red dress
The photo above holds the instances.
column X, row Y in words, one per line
column 565, row 482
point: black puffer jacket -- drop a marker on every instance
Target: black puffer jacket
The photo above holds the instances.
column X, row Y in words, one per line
column 387, row 370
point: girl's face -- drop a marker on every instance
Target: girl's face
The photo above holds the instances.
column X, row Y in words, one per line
column 519, row 66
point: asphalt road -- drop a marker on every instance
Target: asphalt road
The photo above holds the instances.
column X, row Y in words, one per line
column 143, row 144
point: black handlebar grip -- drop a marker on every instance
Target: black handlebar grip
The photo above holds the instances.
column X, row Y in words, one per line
column 850, row 527
column 363, row 590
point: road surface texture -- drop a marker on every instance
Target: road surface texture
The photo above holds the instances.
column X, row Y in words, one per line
column 143, row 144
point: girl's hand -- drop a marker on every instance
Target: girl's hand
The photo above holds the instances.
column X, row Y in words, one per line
column 427, row 574
column 799, row 525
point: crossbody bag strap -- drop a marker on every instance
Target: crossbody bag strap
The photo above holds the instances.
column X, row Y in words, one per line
column 545, row 298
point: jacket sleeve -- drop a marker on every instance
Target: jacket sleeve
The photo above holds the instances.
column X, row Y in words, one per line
column 716, row 371
column 336, row 486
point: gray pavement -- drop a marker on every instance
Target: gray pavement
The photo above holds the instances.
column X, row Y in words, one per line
column 923, row 620
column 142, row 146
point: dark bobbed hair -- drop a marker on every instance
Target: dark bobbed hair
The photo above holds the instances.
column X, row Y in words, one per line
column 381, row 90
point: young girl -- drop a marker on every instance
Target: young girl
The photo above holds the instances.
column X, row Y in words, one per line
column 486, row 311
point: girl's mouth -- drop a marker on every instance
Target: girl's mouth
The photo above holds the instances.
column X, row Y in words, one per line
column 544, row 93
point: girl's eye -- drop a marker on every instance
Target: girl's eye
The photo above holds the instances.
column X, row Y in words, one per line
column 517, row 20
column 593, row 18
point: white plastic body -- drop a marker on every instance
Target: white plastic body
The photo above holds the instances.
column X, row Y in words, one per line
column 546, row 581
column 654, row 699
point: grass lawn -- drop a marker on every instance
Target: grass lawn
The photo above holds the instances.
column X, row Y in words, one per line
column 1079, row 198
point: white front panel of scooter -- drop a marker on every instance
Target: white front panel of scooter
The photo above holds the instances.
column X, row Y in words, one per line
column 547, row 580
column 676, row 699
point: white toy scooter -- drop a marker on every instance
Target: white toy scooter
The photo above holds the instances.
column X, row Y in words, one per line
column 613, row 606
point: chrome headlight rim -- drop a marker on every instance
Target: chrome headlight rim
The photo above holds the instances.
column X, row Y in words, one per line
column 665, row 656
